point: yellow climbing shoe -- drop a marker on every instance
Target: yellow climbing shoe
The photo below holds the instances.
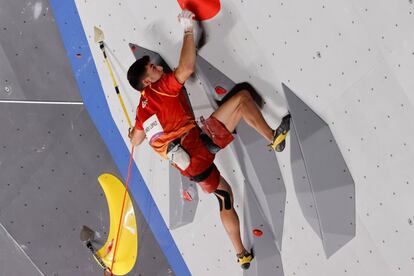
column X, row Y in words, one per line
column 244, row 259
column 278, row 142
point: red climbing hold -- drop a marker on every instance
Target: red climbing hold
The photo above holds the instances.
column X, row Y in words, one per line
column 133, row 48
column 202, row 9
column 257, row 232
column 187, row 196
column 220, row 90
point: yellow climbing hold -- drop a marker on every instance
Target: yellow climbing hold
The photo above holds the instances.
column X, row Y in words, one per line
column 127, row 249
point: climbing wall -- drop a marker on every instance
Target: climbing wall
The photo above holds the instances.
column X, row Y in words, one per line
column 350, row 62
column 50, row 156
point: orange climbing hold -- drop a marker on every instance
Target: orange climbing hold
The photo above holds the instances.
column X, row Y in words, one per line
column 220, row 90
column 187, row 196
column 257, row 232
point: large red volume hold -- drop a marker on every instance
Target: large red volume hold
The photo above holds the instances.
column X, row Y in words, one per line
column 203, row 9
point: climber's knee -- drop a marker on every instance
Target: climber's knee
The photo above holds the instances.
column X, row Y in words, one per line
column 224, row 199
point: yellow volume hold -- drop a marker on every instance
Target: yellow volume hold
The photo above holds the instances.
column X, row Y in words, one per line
column 127, row 248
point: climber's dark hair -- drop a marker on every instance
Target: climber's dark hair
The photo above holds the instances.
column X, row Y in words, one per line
column 137, row 72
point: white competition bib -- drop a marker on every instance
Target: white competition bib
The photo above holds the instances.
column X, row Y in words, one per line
column 152, row 127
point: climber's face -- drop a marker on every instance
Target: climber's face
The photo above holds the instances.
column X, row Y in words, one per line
column 154, row 73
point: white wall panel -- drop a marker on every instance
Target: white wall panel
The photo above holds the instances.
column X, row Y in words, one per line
column 332, row 54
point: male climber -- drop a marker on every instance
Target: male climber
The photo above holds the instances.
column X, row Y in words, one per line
column 165, row 118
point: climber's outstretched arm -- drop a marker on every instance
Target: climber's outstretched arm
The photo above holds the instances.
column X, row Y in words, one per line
column 187, row 60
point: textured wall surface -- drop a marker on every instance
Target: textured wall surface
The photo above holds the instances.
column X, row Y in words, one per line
column 350, row 61
column 50, row 157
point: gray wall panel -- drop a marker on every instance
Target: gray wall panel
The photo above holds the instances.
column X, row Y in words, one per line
column 13, row 260
column 37, row 67
column 51, row 156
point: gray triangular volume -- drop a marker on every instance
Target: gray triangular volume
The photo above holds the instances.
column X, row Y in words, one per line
column 259, row 166
column 267, row 257
column 301, row 183
column 181, row 211
column 330, row 182
column 262, row 172
column 213, row 80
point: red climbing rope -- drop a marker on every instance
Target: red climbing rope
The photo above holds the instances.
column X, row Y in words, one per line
column 122, row 210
